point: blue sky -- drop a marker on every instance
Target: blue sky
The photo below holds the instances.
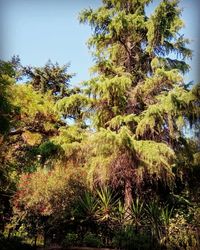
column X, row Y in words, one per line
column 38, row 30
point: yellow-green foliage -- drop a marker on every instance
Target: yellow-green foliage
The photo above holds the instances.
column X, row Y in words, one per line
column 170, row 105
column 6, row 97
column 120, row 120
column 108, row 88
column 153, row 158
column 124, row 22
column 72, row 105
column 160, row 82
column 150, row 119
column 182, row 235
column 32, row 138
column 156, row 158
column 71, row 140
column 108, row 96
column 33, row 103
column 139, row 101
column 163, row 24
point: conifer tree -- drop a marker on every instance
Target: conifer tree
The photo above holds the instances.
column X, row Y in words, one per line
column 51, row 77
column 140, row 102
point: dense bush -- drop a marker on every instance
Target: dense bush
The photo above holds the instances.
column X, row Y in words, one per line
column 92, row 240
column 182, row 235
column 14, row 243
column 128, row 239
column 71, row 239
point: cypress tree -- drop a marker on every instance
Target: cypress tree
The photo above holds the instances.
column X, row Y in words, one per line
column 140, row 102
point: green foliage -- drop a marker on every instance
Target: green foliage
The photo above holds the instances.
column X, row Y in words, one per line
column 47, row 149
column 182, row 235
column 154, row 217
column 106, row 205
column 14, row 243
column 73, row 106
column 163, row 27
column 92, row 240
column 35, row 122
column 118, row 121
column 128, row 239
column 31, row 138
column 120, row 214
column 140, row 103
column 152, row 157
column 159, row 218
column 99, row 206
column 71, row 140
column 6, row 108
column 120, row 137
column 88, row 206
column 166, row 215
column 34, row 106
column 137, row 212
column 71, row 239
column 51, row 77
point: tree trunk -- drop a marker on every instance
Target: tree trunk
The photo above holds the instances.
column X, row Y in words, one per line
column 35, row 240
column 45, row 239
column 128, row 198
column 128, row 62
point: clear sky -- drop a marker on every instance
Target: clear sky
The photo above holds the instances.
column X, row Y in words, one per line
column 38, row 30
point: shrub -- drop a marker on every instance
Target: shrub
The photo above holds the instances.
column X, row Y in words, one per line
column 14, row 243
column 182, row 235
column 47, row 192
column 91, row 240
column 127, row 239
column 71, row 239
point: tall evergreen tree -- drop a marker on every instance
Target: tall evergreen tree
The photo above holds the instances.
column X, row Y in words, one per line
column 139, row 99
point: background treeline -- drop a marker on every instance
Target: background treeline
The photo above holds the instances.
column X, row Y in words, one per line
column 113, row 162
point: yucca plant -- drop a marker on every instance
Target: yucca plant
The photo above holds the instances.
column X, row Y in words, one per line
column 166, row 214
column 88, row 206
column 154, row 218
column 137, row 213
column 107, row 203
column 120, row 214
